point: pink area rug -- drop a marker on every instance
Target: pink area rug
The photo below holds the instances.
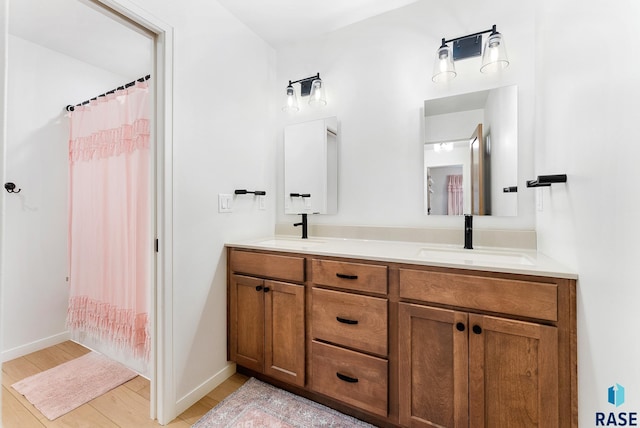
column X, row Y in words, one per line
column 257, row 405
column 65, row 387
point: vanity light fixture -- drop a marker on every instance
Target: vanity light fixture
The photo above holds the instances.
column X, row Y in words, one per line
column 313, row 87
column 494, row 55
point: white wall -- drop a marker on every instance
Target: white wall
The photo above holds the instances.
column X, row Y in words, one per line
column 378, row 74
column 452, row 126
column 224, row 139
column 588, row 99
column 501, row 119
column 35, row 291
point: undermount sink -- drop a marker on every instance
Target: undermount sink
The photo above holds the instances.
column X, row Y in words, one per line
column 291, row 243
column 475, row 256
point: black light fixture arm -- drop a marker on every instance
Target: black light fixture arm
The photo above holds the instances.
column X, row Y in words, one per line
column 491, row 30
column 305, row 84
column 309, row 79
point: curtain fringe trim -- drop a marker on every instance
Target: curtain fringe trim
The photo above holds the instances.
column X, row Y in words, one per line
column 124, row 328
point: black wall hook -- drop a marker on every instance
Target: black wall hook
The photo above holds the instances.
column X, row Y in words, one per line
column 11, row 187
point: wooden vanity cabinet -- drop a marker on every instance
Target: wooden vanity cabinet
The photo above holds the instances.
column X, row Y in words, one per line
column 469, row 370
column 349, row 332
column 408, row 345
column 466, row 369
column 266, row 317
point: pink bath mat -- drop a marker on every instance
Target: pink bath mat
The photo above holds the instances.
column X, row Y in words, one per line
column 65, row 387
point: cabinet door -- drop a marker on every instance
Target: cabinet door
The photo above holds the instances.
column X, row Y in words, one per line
column 513, row 373
column 284, row 332
column 433, row 367
column 246, row 317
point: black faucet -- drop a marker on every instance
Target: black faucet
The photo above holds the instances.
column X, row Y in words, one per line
column 303, row 223
column 468, row 231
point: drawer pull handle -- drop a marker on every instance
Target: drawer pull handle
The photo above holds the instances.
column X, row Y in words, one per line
column 477, row 329
column 266, row 289
column 460, row 326
column 345, row 276
column 347, row 321
column 346, row 378
column 259, row 288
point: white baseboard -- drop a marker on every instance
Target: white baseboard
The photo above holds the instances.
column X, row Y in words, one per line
column 23, row 350
column 196, row 394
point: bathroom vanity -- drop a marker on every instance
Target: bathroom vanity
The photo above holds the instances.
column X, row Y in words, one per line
column 402, row 334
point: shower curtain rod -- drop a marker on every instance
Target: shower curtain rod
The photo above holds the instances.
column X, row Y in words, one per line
column 142, row 79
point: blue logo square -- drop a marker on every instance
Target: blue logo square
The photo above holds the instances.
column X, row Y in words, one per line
column 615, row 395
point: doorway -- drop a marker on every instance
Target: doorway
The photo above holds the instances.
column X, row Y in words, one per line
column 159, row 49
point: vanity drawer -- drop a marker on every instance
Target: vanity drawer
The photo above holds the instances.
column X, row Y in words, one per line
column 288, row 268
column 351, row 377
column 508, row 296
column 348, row 319
column 350, row 276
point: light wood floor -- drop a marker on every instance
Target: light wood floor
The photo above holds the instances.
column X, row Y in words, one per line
column 126, row 406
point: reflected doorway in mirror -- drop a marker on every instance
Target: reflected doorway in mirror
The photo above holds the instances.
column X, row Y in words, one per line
column 453, row 120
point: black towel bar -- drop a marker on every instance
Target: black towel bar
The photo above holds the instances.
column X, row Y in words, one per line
column 255, row 192
column 547, row 180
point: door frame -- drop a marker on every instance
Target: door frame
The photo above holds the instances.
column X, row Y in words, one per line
column 163, row 396
column 162, row 401
column 4, row 31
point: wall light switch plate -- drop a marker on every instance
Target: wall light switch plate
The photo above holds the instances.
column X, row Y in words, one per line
column 225, row 203
column 262, row 202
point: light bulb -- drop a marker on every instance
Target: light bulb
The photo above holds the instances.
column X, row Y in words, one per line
column 317, row 96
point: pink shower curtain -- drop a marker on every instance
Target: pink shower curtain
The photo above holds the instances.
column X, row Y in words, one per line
column 109, row 220
column 455, row 205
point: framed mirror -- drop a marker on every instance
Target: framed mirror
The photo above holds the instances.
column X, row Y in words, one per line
column 471, row 153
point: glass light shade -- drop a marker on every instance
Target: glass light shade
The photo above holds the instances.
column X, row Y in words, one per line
column 494, row 57
column 291, row 103
column 444, row 69
column 317, row 97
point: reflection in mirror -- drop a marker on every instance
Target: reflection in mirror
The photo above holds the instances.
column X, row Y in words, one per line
column 311, row 167
column 471, row 153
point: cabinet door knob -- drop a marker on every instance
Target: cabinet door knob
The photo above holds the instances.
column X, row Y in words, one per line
column 345, row 276
column 346, row 321
column 259, row 288
column 477, row 329
column 266, row 289
column 460, row 326
column 346, row 378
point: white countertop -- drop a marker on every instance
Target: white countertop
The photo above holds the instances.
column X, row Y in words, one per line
column 490, row 259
